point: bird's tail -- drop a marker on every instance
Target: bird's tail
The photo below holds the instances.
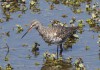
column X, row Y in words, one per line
column 73, row 30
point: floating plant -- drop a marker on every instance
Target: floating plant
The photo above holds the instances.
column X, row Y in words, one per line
column 51, row 62
column 28, row 56
column 1, row 20
column 7, row 33
column 19, row 28
column 52, row 7
column 25, row 45
column 81, row 23
column 57, row 22
column 9, row 67
column 37, row 63
column 19, row 15
column 79, row 64
column 0, row 67
column 87, row 47
column 64, row 16
column 35, row 49
column 56, row 64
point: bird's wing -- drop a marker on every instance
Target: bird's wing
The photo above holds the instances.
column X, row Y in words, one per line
column 57, row 33
column 64, row 32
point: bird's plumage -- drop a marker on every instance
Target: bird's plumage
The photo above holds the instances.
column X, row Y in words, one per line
column 55, row 34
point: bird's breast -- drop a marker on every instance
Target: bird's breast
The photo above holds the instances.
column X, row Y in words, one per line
column 51, row 38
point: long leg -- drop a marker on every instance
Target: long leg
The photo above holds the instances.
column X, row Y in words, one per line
column 57, row 50
column 61, row 50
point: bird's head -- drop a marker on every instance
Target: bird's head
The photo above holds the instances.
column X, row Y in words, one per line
column 34, row 24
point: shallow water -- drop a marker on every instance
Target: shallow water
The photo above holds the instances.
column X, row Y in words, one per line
column 18, row 54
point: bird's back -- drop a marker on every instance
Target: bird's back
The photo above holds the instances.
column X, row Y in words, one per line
column 65, row 32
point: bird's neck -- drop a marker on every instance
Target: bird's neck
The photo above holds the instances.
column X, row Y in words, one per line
column 41, row 29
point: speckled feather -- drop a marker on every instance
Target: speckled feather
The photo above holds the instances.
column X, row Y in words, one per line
column 55, row 34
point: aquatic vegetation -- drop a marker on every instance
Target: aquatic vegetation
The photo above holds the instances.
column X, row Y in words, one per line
column 70, row 41
column 19, row 15
column 72, row 21
column 64, row 16
column 14, row 7
column 63, row 64
column 77, row 9
column 32, row 2
column 88, row 8
column 25, row 45
column 96, row 28
column 28, row 56
column 81, row 23
column 7, row 16
column 35, row 10
column 87, row 47
column 76, row 36
column 79, row 64
column 35, row 49
column 48, row 56
column 9, row 67
column 6, row 58
column 23, row 1
column 52, row 6
column 91, row 22
column 19, row 28
column 56, row 64
column 23, row 8
column 54, row 22
column 10, row 7
column 7, row 33
column 75, row 5
column 37, row 63
column 69, row 60
column 55, row 1
column 57, row 22
column 0, row 68
column 34, row 6
column 1, row 20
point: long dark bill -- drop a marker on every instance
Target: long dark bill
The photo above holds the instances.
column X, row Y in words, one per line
column 26, row 32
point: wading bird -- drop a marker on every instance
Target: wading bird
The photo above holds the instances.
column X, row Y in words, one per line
column 53, row 34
